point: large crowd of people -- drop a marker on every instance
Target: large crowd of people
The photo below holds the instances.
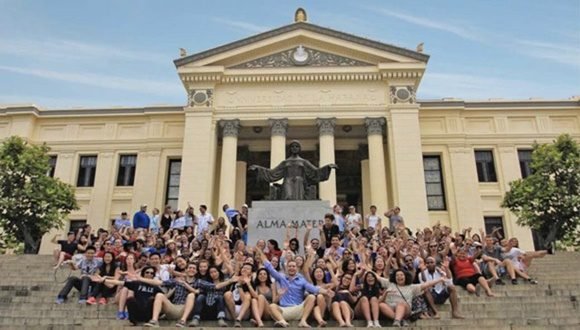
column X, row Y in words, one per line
column 187, row 266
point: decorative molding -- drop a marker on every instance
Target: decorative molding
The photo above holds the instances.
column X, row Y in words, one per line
column 375, row 125
column 302, row 26
column 200, row 97
column 300, row 56
column 403, row 94
column 326, row 126
column 279, row 126
column 230, row 127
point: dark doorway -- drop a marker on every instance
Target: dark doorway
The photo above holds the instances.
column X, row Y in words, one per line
column 348, row 178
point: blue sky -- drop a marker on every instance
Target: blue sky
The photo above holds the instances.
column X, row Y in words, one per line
column 73, row 53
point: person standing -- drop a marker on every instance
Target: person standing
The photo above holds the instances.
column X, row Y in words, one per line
column 154, row 224
column 373, row 220
column 141, row 219
column 122, row 222
column 204, row 220
column 395, row 218
column 353, row 219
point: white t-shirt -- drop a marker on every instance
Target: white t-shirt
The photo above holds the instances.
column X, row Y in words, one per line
column 353, row 220
column 394, row 292
column 203, row 221
column 373, row 220
column 513, row 254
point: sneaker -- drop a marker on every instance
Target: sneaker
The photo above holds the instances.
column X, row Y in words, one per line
column 180, row 324
column 103, row 301
column 126, row 315
column 222, row 323
column 194, row 323
column 532, row 281
column 152, row 324
column 377, row 324
column 121, row 316
column 82, row 301
column 237, row 324
column 499, row 282
column 59, row 300
column 397, row 323
column 405, row 323
column 92, row 301
column 514, row 281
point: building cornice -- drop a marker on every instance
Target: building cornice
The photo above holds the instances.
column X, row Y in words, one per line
column 308, row 27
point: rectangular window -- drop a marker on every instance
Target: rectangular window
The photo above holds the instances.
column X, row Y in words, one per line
column 127, row 167
column 434, row 183
column 87, row 170
column 173, row 177
column 485, row 166
column 525, row 157
column 494, row 222
column 52, row 165
column 75, row 225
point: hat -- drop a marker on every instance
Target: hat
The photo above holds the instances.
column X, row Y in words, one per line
column 143, row 205
column 245, row 205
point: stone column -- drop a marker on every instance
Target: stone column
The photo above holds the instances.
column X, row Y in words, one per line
column 227, row 190
column 241, row 171
column 509, row 168
column 377, row 172
column 100, row 205
column 327, row 189
column 363, row 154
column 278, row 141
column 146, row 180
column 407, row 170
column 466, row 189
column 198, row 158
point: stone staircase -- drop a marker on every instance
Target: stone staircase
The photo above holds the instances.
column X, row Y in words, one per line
column 28, row 291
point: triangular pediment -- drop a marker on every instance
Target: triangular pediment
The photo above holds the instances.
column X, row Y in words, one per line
column 325, row 48
column 300, row 56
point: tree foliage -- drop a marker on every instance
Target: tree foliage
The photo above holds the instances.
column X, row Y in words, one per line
column 548, row 200
column 31, row 202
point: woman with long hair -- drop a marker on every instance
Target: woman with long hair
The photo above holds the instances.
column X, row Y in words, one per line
column 399, row 296
column 263, row 293
column 273, row 249
column 343, row 302
column 368, row 304
column 107, row 270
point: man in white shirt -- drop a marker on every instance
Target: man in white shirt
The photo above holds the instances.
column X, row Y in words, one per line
column 353, row 219
column 204, row 220
column 439, row 293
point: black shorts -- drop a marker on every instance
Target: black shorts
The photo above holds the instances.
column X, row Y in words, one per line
column 440, row 298
column 463, row 282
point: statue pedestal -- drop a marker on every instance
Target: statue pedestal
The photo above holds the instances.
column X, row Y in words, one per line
column 270, row 219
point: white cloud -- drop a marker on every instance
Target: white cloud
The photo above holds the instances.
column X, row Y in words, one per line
column 75, row 50
column 102, row 81
column 250, row 27
column 562, row 53
column 460, row 31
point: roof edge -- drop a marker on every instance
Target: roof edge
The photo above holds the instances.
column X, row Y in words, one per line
column 307, row 26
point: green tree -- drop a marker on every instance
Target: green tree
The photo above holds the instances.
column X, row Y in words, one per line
column 548, row 200
column 31, row 202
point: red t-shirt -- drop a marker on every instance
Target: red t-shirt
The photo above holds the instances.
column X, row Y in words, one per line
column 463, row 268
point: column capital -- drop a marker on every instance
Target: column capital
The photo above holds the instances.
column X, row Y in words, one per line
column 375, row 125
column 230, row 127
column 279, row 126
column 326, row 125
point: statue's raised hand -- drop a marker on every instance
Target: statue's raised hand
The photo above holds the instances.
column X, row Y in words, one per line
column 334, row 166
column 253, row 168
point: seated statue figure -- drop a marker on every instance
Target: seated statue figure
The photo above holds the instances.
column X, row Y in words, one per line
column 299, row 176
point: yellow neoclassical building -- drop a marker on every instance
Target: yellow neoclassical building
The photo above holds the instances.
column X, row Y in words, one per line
column 349, row 100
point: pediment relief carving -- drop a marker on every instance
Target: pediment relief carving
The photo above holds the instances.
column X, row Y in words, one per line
column 300, row 56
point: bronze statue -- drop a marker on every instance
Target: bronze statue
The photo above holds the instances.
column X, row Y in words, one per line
column 300, row 176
